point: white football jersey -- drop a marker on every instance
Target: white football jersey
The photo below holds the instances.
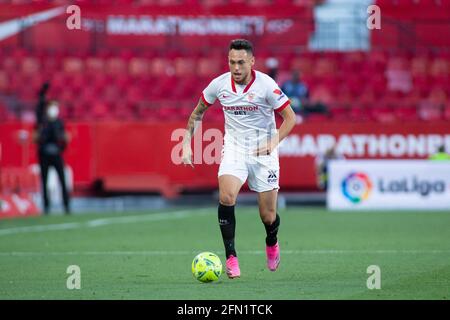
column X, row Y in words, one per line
column 248, row 109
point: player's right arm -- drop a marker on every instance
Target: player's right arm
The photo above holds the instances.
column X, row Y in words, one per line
column 194, row 119
column 208, row 97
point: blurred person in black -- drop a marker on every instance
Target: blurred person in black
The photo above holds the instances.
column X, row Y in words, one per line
column 321, row 163
column 52, row 139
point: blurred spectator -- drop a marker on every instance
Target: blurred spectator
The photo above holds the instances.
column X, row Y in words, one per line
column 272, row 67
column 321, row 163
column 440, row 155
column 297, row 91
column 299, row 94
column 42, row 102
column 52, row 140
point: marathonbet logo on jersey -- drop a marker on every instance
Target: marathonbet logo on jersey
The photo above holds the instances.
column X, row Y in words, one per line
column 241, row 111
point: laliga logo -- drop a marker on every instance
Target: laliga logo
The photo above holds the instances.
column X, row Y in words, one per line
column 356, row 187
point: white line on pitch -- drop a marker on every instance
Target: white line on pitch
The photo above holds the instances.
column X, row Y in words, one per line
column 106, row 221
column 189, row 252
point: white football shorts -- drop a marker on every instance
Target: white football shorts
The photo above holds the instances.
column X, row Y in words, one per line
column 261, row 172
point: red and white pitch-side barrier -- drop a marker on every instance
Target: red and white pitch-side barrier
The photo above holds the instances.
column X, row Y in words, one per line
column 17, row 205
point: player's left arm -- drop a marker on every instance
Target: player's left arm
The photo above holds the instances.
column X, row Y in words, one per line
column 281, row 104
column 288, row 123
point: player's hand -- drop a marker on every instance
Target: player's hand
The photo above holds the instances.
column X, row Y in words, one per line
column 265, row 150
column 187, row 155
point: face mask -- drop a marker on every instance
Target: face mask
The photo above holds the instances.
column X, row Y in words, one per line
column 52, row 112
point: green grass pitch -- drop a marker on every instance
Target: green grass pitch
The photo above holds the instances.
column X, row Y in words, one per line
column 324, row 255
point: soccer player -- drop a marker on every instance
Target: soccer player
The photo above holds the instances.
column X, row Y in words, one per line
column 249, row 99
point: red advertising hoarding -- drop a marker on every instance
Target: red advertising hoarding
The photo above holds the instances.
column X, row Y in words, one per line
column 143, row 156
column 17, row 205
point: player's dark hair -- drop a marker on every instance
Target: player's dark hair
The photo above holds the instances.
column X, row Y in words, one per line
column 241, row 44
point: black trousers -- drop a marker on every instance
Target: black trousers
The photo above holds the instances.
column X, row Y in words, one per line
column 56, row 161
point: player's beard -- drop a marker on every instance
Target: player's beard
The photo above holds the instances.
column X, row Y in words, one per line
column 242, row 79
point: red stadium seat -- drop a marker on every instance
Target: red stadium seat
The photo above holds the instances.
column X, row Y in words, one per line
column 116, row 66
column 99, row 110
column 30, row 66
column 95, row 65
column 4, row 82
column 134, row 94
column 397, row 63
column 50, row 66
column 344, row 97
column 412, row 99
column 208, row 66
column 430, row 112
column 5, row 114
column 324, row 66
column 447, row 113
column 10, row 65
column 405, row 113
column 138, row 67
column 359, row 113
column 377, row 59
column 322, row 94
column 167, row 112
column 184, row 66
column 353, row 83
column 419, row 66
column 110, row 94
column 81, row 111
column 100, row 81
column 160, row 67
column 440, row 66
column 383, row 114
column 438, row 98
column 317, row 117
column 213, row 3
column 36, row 81
column 259, row 3
column 304, row 65
column 367, row 97
column 340, row 113
column 442, row 81
column 168, row 2
column 399, row 80
column 73, row 65
column 123, row 111
column 67, row 96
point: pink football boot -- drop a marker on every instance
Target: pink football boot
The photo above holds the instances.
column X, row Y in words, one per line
column 233, row 270
column 273, row 257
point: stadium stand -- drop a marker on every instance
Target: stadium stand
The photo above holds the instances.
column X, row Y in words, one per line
column 101, row 87
column 393, row 83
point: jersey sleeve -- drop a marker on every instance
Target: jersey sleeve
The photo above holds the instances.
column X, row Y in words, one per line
column 276, row 97
column 209, row 95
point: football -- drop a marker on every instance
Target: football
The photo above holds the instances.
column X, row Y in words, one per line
column 206, row 267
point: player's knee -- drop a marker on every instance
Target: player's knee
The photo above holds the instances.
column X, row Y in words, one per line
column 268, row 216
column 227, row 199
